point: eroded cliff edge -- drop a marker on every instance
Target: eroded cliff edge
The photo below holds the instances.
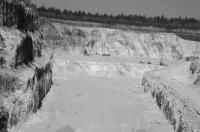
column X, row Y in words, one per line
column 25, row 76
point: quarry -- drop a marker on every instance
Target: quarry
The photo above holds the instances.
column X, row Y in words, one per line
column 75, row 78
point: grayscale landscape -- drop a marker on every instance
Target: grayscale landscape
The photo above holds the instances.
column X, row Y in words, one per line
column 75, row 73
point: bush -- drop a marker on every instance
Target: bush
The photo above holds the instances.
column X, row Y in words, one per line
column 4, row 115
column 197, row 81
column 193, row 66
column 191, row 58
column 79, row 32
column 106, row 55
column 66, row 129
column 162, row 63
column 8, row 84
column 2, row 61
column 24, row 52
column 2, row 44
column 142, row 62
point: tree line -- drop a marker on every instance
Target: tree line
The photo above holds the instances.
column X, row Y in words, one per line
column 138, row 20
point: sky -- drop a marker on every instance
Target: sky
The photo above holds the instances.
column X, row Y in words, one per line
column 169, row 8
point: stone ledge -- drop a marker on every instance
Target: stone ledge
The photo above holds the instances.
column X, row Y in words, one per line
column 184, row 116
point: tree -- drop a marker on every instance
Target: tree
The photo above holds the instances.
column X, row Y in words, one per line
column 26, row 2
column 139, row 20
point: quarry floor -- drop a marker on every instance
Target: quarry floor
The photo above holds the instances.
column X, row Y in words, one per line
column 87, row 103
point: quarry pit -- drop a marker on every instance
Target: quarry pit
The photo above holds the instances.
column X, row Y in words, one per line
column 92, row 79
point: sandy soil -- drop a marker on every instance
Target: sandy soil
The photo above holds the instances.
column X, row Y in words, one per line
column 84, row 103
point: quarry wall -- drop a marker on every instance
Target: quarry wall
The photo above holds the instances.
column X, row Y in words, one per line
column 25, row 76
column 103, row 41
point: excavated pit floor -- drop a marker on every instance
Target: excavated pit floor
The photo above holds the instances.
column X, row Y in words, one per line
column 89, row 103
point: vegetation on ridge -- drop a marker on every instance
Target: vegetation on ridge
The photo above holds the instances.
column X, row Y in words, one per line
column 138, row 20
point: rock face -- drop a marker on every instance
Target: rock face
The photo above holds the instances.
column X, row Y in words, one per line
column 103, row 41
column 18, row 48
column 22, row 87
column 21, row 97
column 182, row 115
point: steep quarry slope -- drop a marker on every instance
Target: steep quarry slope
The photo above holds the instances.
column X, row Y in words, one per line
column 176, row 95
column 22, row 87
column 103, row 41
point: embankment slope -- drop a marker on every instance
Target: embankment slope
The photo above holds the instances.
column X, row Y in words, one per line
column 25, row 76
